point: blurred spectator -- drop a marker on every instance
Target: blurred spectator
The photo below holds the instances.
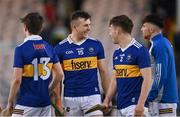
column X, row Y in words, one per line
column 50, row 10
column 59, row 32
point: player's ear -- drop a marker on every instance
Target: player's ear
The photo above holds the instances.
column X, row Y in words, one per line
column 119, row 30
column 25, row 28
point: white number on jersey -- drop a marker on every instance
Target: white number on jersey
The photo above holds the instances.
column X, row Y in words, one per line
column 44, row 61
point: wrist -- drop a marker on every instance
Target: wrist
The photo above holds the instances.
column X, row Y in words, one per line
column 10, row 104
column 58, row 102
column 140, row 104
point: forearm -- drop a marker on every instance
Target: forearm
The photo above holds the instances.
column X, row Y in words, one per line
column 13, row 91
column 57, row 77
column 144, row 91
column 146, row 85
column 53, row 84
column 111, row 91
column 105, row 79
column 58, row 90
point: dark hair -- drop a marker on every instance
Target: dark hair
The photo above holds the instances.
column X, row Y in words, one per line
column 33, row 21
column 80, row 14
column 122, row 21
column 154, row 19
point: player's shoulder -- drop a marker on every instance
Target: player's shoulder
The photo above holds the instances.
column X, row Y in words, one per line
column 94, row 41
column 137, row 44
column 62, row 43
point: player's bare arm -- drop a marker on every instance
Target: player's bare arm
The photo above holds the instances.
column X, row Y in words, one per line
column 104, row 74
column 17, row 77
column 147, row 81
column 111, row 90
column 57, row 76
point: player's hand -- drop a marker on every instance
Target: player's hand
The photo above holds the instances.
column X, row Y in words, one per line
column 107, row 108
column 60, row 107
column 139, row 110
column 7, row 112
column 59, row 111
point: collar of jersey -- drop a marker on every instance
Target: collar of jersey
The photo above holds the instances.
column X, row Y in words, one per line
column 156, row 37
column 77, row 43
column 33, row 37
column 130, row 44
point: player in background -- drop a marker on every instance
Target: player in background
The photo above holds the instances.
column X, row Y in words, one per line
column 81, row 57
column 131, row 70
column 163, row 96
column 34, row 61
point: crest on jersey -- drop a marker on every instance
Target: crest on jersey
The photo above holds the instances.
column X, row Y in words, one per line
column 129, row 57
column 91, row 50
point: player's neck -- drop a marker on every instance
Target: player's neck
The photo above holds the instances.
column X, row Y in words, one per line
column 154, row 34
column 75, row 38
column 27, row 34
column 124, row 41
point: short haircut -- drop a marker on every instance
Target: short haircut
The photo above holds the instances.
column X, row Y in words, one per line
column 80, row 14
column 154, row 19
column 122, row 21
column 33, row 21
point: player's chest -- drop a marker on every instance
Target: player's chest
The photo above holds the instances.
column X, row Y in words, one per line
column 79, row 52
column 125, row 58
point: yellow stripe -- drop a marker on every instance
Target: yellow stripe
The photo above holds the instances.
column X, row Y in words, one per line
column 127, row 71
column 28, row 70
column 80, row 64
column 167, row 110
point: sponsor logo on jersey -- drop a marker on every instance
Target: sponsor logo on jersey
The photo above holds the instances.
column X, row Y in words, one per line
column 38, row 46
column 80, row 63
column 127, row 71
column 69, row 52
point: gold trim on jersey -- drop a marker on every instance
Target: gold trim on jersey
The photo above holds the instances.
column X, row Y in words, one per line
column 28, row 70
column 127, row 71
column 166, row 110
column 80, row 63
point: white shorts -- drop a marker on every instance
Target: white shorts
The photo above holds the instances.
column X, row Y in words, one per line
column 162, row 109
column 77, row 106
column 129, row 111
column 24, row 111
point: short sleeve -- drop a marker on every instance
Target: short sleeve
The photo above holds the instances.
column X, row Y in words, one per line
column 18, row 58
column 55, row 57
column 57, row 52
column 114, row 56
column 100, row 54
column 143, row 58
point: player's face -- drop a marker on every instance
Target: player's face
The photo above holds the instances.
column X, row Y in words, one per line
column 146, row 30
column 83, row 27
column 113, row 32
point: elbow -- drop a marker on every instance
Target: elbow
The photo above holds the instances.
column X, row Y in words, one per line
column 17, row 81
column 60, row 77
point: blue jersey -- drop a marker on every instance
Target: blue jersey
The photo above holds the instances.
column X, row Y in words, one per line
column 79, row 63
column 164, row 88
column 127, row 64
column 36, row 58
